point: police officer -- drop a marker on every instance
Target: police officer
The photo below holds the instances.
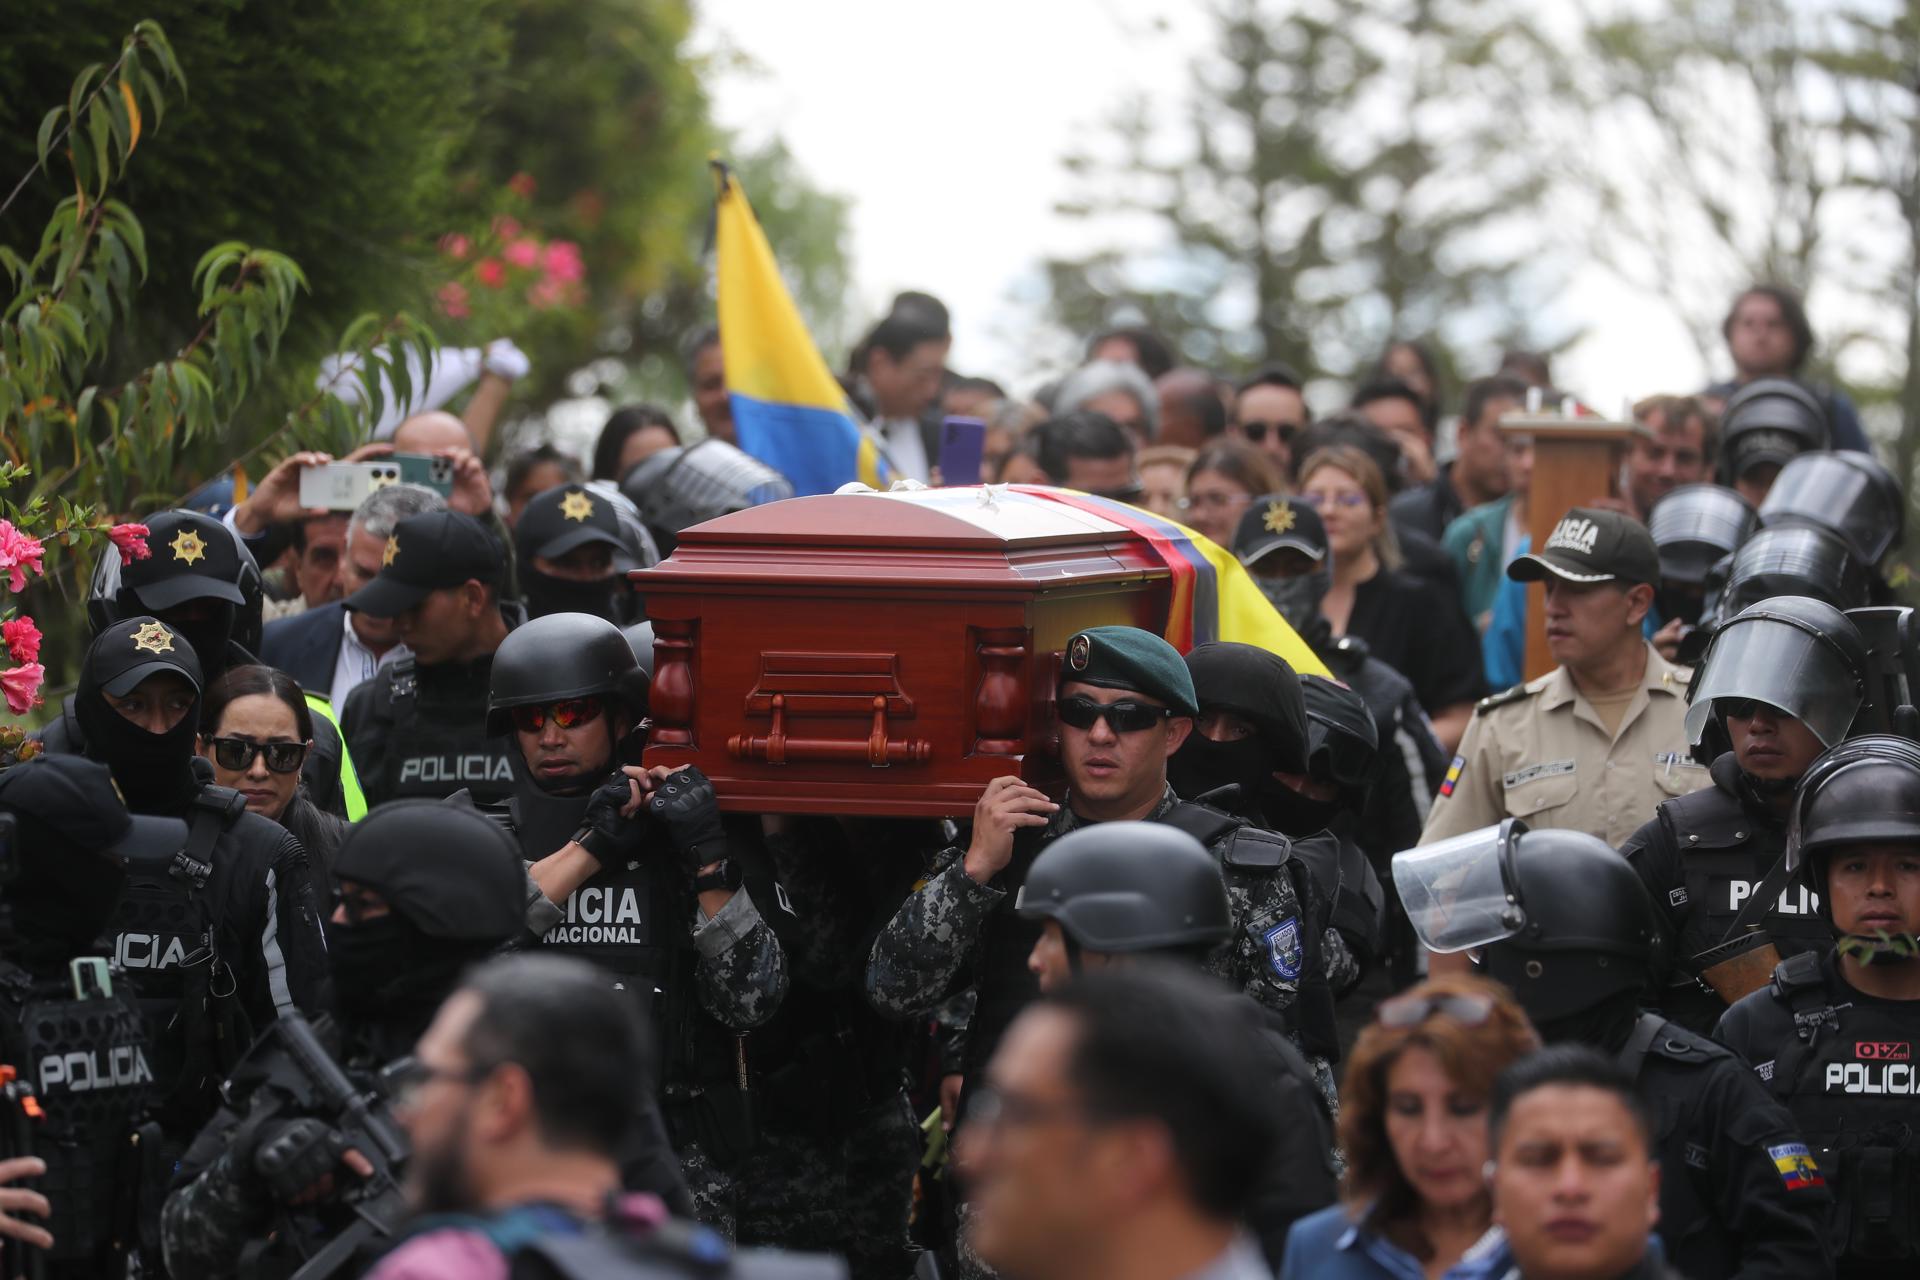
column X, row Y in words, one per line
column 1597, row 742
column 1833, row 1033
column 1124, row 890
column 1780, row 684
column 1794, row 560
column 67, row 1021
column 1126, row 703
column 574, row 555
column 657, row 896
column 682, row 485
column 426, row 890
column 223, row 935
column 1848, row 494
column 1694, row 528
column 1563, row 921
column 417, row 728
column 1766, row 424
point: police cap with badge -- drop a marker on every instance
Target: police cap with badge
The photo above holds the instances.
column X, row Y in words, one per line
column 1126, row 658
column 567, row 517
column 428, row 553
column 193, row 557
column 1592, row 545
column 1277, row 522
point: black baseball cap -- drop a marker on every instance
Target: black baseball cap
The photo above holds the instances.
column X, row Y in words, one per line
column 75, row 798
column 129, row 651
column 1590, row 545
column 194, row 557
column 557, row 520
column 1276, row 521
column 427, row 553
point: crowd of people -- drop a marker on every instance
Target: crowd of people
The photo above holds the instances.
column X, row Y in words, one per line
column 347, row 933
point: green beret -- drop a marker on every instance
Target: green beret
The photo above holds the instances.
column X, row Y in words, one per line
column 1129, row 658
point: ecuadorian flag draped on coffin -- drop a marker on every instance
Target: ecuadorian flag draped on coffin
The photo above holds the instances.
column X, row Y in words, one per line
column 787, row 409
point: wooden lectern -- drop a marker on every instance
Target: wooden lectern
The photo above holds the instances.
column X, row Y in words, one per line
column 1575, row 461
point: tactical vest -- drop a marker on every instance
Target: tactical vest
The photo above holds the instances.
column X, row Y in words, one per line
column 90, row 1067
column 437, row 742
column 1851, row 1077
column 164, row 936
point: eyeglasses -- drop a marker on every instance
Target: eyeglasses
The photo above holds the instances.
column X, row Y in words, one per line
column 235, row 754
column 1215, row 501
column 570, row 714
column 1412, row 1009
column 1122, row 717
column 402, row 1079
column 1349, row 500
column 995, row 1111
column 1256, row 432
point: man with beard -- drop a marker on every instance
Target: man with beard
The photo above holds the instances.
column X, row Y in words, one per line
column 225, row 935
column 665, row 900
column 573, row 554
column 66, row 1018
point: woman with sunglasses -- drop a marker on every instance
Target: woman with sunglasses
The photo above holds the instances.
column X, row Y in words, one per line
column 1408, row 623
column 256, row 731
column 1413, row 1124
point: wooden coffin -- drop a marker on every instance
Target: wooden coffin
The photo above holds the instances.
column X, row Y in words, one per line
column 881, row 654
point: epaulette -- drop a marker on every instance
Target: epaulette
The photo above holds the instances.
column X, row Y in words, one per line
column 1677, row 1044
column 1515, row 694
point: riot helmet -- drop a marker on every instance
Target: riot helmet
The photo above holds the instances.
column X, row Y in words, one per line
column 1121, row 887
column 1558, row 916
column 1892, row 636
column 1767, row 423
column 1866, row 790
column 555, row 658
column 1846, row 493
column 1342, row 759
column 196, row 565
column 1796, row 654
column 684, row 485
column 1694, row 526
column 1794, row 560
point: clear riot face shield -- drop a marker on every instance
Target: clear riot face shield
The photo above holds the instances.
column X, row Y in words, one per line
column 1772, row 657
column 1460, row 893
column 1848, row 494
column 1695, row 526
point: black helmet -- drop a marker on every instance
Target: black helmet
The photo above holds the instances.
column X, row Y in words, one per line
column 1770, row 420
column 192, row 557
column 1343, row 739
column 640, row 636
column 1129, row 886
column 1694, row 526
column 444, row 868
column 1795, row 653
column 1561, row 918
column 1866, row 790
column 563, row 655
column 1794, row 560
column 1846, row 493
column 1892, row 635
column 682, row 486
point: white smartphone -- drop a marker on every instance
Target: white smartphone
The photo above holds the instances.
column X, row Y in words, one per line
column 343, row 486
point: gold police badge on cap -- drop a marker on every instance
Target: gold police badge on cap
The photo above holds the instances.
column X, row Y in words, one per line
column 1078, row 651
column 392, row 552
column 152, row 637
column 576, row 506
column 188, row 548
column 1280, row 517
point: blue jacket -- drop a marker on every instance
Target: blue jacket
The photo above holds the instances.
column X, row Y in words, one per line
column 306, row 646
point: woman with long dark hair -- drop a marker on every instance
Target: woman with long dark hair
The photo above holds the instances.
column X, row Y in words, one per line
column 256, row 731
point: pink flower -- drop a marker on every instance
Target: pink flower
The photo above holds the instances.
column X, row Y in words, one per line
column 455, row 245
column 22, row 687
column 22, row 639
column 490, row 273
column 19, row 553
column 523, row 253
column 506, row 228
column 453, row 299
column 547, row 294
column 563, row 262
column 522, row 185
column 132, row 541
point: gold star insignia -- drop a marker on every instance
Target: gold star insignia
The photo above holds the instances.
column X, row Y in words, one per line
column 153, row 638
column 1280, row 517
column 576, row 506
column 188, row 548
column 392, row 552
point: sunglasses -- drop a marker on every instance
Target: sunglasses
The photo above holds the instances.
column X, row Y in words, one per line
column 235, row 754
column 1256, row 432
column 1740, row 708
column 1411, row 1010
column 1122, row 717
column 570, row 714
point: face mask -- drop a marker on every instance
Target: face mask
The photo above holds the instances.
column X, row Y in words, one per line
column 385, row 970
column 154, row 771
column 209, row 637
column 1293, row 814
column 1202, row 765
column 1297, row 599
column 547, row 594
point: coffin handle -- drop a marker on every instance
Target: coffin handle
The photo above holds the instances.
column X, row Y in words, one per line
column 877, row 749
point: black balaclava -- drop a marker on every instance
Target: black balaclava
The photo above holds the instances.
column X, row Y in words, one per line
column 63, row 898
column 210, row 636
column 1297, row 599
column 1605, row 1026
column 1259, row 687
column 154, row 771
column 389, row 976
column 547, row 594
column 1293, row 813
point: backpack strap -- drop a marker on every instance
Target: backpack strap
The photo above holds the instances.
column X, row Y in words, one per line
column 1201, row 821
column 1798, row 983
column 214, row 811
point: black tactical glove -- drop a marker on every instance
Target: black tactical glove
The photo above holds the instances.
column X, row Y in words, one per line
column 297, row 1158
column 686, row 804
column 609, row 835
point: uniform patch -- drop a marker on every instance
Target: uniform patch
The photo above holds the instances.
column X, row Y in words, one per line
column 1676, row 760
column 1677, row 897
column 1796, row 1166
column 1078, row 652
column 1765, row 1070
column 1283, row 948
column 1696, row 1156
column 1453, row 775
column 1535, row 772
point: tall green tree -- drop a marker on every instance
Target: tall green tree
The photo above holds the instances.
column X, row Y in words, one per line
column 1347, row 174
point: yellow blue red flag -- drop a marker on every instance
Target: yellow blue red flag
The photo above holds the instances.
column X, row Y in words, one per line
column 787, row 409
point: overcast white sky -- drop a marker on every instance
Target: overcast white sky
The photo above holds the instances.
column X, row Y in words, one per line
column 946, row 125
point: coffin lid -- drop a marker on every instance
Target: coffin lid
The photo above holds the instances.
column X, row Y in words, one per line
column 958, row 517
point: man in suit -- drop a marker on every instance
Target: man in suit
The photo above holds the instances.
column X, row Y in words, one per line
column 328, row 649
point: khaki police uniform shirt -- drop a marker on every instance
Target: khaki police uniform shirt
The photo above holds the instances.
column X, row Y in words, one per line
column 1541, row 753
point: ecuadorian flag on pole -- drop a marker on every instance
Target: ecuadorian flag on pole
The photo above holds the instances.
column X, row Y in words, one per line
column 787, row 409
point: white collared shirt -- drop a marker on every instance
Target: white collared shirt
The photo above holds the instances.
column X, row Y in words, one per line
column 355, row 663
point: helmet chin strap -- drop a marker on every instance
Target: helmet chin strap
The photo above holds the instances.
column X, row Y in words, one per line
column 1879, row 947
